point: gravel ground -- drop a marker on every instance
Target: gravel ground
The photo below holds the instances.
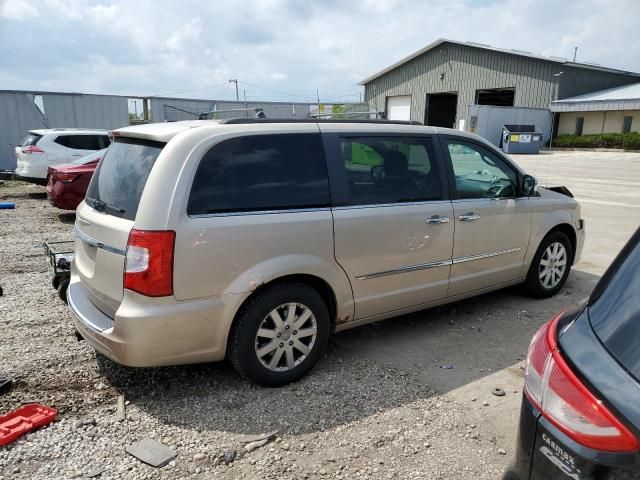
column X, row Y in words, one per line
column 351, row 418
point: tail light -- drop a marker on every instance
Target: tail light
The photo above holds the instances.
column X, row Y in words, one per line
column 65, row 177
column 565, row 401
column 29, row 149
column 149, row 262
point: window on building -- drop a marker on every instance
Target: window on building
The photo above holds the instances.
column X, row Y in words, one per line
column 579, row 125
column 626, row 124
column 501, row 97
column 261, row 172
column 383, row 170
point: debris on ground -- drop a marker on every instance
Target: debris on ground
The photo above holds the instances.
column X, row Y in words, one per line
column 498, row 392
column 24, row 420
column 151, row 452
column 5, row 385
column 447, row 367
column 96, row 472
column 229, row 456
column 121, row 413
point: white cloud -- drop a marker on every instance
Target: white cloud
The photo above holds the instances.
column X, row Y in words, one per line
column 16, row 9
column 293, row 46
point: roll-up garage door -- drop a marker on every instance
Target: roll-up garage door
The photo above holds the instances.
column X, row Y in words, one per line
column 399, row 108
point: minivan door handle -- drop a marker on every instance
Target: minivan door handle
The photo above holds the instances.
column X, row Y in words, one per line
column 435, row 219
column 468, row 217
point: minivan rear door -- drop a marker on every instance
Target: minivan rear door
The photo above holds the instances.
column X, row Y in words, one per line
column 392, row 218
column 105, row 218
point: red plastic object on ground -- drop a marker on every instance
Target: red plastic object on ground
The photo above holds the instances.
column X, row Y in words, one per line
column 23, row 420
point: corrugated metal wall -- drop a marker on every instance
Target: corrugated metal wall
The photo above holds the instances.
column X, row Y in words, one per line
column 18, row 114
column 171, row 109
column 464, row 69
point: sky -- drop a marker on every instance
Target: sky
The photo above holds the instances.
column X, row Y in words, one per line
column 282, row 50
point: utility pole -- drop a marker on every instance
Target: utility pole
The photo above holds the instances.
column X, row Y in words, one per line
column 235, row 80
column 246, row 109
column 575, row 54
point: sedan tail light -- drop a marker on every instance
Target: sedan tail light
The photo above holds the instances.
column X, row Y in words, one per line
column 29, row 149
column 566, row 402
column 149, row 262
column 65, row 177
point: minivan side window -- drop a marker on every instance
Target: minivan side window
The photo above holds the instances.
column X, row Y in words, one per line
column 259, row 173
column 384, row 170
column 479, row 173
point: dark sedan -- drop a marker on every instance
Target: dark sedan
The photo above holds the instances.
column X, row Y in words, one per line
column 580, row 414
column 67, row 184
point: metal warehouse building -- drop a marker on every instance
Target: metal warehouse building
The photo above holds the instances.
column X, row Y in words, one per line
column 436, row 84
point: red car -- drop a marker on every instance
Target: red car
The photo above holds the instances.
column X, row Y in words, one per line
column 68, row 183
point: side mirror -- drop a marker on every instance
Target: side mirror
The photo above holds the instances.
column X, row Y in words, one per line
column 529, row 184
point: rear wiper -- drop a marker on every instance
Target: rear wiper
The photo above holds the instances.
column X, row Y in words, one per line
column 101, row 206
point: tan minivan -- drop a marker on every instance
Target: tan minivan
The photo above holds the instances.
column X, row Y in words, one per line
column 256, row 239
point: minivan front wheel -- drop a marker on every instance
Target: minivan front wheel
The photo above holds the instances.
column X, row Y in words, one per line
column 279, row 334
column 550, row 266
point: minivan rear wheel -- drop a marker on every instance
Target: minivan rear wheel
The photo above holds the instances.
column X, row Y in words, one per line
column 279, row 334
column 550, row 266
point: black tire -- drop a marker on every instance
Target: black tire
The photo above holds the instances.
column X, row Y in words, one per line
column 533, row 284
column 55, row 282
column 62, row 289
column 242, row 339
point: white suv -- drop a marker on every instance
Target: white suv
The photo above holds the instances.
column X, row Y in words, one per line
column 43, row 148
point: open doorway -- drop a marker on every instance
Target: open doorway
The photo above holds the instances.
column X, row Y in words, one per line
column 441, row 109
column 500, row 97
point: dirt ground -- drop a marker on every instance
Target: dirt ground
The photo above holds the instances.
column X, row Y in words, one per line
column 379, row 404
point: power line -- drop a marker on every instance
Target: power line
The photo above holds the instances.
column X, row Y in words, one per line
column 189, row 91
column 276, row 91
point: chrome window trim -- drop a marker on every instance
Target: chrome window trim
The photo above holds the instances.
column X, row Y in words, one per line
column 98, row 244
column 438, row 263
column 260, row 212
column 396, row 204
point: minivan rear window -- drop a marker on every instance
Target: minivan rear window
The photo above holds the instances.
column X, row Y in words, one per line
column 615, row 308
column 119, row 179
column 259, row 173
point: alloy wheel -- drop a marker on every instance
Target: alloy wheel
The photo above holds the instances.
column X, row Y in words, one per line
column 553, row 264
column 286, row 337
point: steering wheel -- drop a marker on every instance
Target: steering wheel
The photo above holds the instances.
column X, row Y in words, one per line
column 495, row 191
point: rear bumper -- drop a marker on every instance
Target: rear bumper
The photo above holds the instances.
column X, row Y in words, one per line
column 150, row 332
column 35, row 170
column 63, row 196
column 544, row 452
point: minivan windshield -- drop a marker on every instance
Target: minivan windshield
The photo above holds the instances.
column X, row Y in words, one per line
column 119, row 179
column 615, row 308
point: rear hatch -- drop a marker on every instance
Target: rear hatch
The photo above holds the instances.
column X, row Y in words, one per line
column 614, row 310
column 104, row 220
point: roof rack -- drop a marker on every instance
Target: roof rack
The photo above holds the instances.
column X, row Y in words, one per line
column 238, row 121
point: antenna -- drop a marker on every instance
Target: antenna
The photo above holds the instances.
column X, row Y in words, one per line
column 575, row 54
